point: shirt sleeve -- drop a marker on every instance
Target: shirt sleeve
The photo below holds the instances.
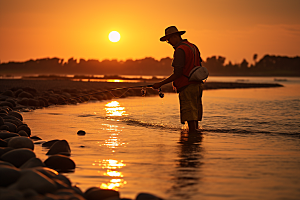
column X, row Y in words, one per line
column 178, row 61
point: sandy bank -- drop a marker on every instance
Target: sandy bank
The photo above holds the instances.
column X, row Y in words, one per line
column 43, row 85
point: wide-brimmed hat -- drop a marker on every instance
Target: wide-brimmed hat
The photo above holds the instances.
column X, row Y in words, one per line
column 171, row 30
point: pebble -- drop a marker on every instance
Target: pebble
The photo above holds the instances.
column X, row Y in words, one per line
column 60, row 147
column 32, row 162
column 60, row 163
column 18, row 157
column 21, row 142
column 81, row 132
column 32, row 179
column 8, row 175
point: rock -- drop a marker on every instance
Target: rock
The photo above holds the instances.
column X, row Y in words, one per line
column 17, row 92
column 12, row 101
column 15, row 121
column 8, row 93
column 10, row 194
column 4, row 150
column 24, row 128
column 7, row 134
column 3, row 111
column 52, row 100
column 16, row 114
column 64, row 179
column 6, row 103
column 50, row 173
column 21, row 142
column 3, row 163
column 49, row 143
column 33, row 102
column 23, row 101
column 8, row 175
column 1, row 121
column 32, row 179
column 81, row 132
column 3, row 143
column 22, row 133
column 60, row 147
column 60, row 163
column 145, row 196
column 24, row 94
column 35, row 138
column 32, row 162
column 18, row 157
column 60, row 195
column 11, row 127
column 95, row 193
column 30, row 194
column 4, row 127
column 43, row 101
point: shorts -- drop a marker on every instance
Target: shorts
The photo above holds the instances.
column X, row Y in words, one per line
column 190, row 100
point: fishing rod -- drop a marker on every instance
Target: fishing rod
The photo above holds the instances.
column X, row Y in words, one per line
column 143, row 91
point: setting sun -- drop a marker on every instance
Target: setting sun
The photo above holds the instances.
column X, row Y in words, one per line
column 114, row 36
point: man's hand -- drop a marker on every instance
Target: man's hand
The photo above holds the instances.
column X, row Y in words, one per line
column 156, row 85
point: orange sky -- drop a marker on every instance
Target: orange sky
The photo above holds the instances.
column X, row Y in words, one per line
column 235, row 29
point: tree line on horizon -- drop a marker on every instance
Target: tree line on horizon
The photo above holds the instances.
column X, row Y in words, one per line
column 269, row 65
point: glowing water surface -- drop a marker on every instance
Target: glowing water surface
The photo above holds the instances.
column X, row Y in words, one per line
column 249, row 149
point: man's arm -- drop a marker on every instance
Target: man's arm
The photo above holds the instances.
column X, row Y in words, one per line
column 178, row 64
column 171, row 78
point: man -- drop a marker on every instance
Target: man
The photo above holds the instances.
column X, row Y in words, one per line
column 186, row 57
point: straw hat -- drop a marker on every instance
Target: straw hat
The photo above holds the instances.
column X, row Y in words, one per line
column 171, row 30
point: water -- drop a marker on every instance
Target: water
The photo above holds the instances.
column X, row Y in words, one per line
column 249, row 149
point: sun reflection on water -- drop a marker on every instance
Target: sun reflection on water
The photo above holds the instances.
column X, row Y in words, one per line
column 111, row 166
column 113, row 141
column 114, row 109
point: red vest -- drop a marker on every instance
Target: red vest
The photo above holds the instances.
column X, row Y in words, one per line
column 188, row 65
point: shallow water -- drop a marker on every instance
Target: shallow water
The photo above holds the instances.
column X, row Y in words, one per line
column 249, row 149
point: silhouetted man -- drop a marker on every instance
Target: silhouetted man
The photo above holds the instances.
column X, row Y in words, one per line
column 186, row 57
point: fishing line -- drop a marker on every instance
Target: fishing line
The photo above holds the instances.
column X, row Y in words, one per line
column 143, row 92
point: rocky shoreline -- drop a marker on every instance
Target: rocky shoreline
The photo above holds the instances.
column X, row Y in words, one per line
column 26, row 177
column 23, row 175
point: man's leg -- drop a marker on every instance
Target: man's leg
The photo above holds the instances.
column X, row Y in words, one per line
column 193, row 125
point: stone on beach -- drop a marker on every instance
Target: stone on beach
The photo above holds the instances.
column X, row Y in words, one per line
column 96, row 193
column 7, row 134
column 8, row 175
column 6, row 103
column 32, row 179
column 1, row 121
column 24, row 128
column 3, row 143
column 81, row 132
column 22, row 133
column 21, row 142
column 32, row 162
column 146, row 196
column 18, row 157
column 60, row 147
column 60, row 163
column 16, row 114
column 11, row 127
column 48, row 144
column 10, row 194
column 8, row 93
column 24, row 94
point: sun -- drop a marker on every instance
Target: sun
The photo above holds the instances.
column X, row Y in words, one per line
column 114, row 36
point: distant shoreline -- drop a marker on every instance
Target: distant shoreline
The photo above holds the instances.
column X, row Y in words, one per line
column 44, row 85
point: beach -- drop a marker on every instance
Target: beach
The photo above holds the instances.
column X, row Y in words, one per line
column 144, row 140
